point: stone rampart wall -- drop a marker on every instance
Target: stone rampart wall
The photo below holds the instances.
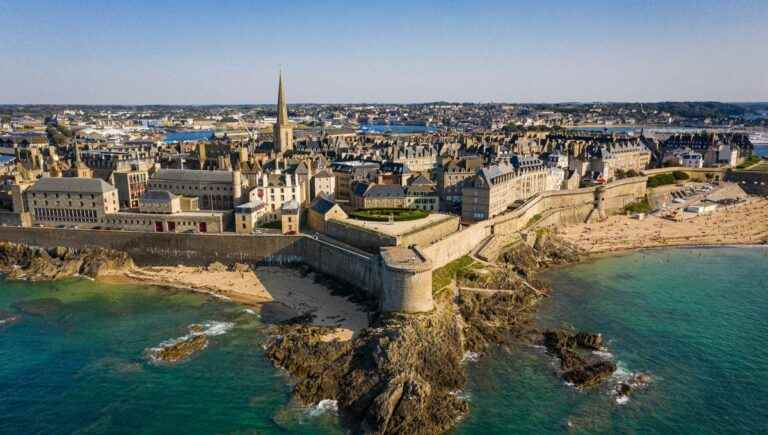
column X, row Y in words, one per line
column 427, row 235
column 368, row 240
column 456, row 245
column 164, row 249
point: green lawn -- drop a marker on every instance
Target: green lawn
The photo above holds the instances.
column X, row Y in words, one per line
column 442, row 277
column 383, row 214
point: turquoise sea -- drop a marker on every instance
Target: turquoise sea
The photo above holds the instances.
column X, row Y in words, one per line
column 694, row 319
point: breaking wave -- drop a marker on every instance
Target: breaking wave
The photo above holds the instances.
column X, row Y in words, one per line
column 323, row 407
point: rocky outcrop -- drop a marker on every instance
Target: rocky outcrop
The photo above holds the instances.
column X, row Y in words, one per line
column 180, row 349
column 496, row 318
column 399, row 376
column 37, row 264
column 577, row 369
column 546, row 250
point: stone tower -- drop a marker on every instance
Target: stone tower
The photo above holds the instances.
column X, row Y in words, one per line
column 283, row 129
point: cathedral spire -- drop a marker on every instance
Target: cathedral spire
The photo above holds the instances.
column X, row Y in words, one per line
column 283, row 129
column 282, row 106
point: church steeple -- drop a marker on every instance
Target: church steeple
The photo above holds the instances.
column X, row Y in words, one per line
column 283, row 129
column 282, row 105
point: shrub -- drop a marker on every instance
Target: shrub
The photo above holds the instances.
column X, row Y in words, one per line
column 383, row 214
column 680, row 175
column 639, row 206
column 661, row 180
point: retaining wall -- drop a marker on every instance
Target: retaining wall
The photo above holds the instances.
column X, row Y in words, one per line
column 168, row 249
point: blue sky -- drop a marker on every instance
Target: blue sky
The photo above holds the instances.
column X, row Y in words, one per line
column 226, row 51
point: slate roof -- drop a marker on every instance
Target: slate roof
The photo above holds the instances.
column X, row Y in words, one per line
column 193, row 175
column 71, row 184
column 322, row 205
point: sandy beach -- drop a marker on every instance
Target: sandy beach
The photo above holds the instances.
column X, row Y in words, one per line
column 268, row 289
column 745, row 223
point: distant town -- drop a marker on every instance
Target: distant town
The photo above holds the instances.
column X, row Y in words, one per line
column 254, row 169
column 414, row 232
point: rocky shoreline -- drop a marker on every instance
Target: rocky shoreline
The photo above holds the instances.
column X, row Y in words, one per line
column 402, row 373
column 21, row 262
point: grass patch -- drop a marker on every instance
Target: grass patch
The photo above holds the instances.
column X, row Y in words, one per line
column 639, row 206
column 661, row 180
column 752, row 160
column 383, row 214
column 534, row 219
column 442, row 277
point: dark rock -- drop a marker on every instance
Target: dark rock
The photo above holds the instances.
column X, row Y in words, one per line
column 35, row 264
column 492, row 318
column 589, row 341
column 179, row 350
column 397, row 377
column 576, row 369
column 591, row 374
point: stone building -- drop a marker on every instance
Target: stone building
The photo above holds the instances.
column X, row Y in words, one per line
column 717, row 149
column 321, row 210
column 131, row 186
column 495, row 188
column 290, row 217
column 215, row 190
column 274, row 190
column 419, row 193
column 323, row 183
column 610, row 160
column 418, row 158
column 348, row 173
column 249, row 216
column 452, row 176
column 159, row 201
column 71, row 201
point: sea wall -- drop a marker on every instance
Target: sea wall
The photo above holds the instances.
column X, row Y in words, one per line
column 456, row 245
column 561, row 207
column 356, row 236
column 168, row 249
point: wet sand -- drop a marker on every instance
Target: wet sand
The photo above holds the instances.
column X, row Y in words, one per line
column 261, row 288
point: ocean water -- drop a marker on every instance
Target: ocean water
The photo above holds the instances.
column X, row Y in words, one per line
column 696, row 320
column 81, row 368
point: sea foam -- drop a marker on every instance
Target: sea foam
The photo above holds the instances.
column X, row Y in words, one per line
column 324, row 406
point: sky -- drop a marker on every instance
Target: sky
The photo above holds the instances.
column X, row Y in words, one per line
column 399, row 51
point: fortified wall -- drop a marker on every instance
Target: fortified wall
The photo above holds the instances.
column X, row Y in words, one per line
column 559, row 207
column 399, row 277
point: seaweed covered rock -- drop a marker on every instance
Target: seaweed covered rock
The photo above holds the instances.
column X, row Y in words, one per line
column 577, row 369
column 494, row 318
column 36, row 264
column 179, row 350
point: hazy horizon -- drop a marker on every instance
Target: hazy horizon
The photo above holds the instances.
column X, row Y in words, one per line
column 229, row 52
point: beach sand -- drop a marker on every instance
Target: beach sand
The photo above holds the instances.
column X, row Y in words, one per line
column 268, row 289
column 745, row 223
